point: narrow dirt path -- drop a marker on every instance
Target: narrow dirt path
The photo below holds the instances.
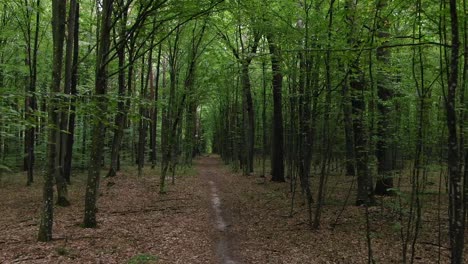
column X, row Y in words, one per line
column 211, row 173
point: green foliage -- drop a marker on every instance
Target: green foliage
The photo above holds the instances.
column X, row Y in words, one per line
column 62, row 251
column 4, row 168
column 143, row 259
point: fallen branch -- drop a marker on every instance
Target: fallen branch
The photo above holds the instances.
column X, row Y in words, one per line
column 145, row 210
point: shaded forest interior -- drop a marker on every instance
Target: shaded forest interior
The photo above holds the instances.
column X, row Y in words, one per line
column 337, row 109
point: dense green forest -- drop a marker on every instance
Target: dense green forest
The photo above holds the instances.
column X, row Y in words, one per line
column 369, row 95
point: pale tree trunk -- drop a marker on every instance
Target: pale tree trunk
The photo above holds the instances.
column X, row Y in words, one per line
column 154, row 112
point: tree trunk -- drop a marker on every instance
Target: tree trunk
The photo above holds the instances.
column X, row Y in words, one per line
column 249, row 118
column 58, row 33
column 456, row 212
column 99, row 125
column 277, row 155
column 365, row 194
column 122, row 105
column 31, row 100
column 143, row 110
column 73, row 90
column 154, row 113
column 385, row 131
column 69, row 76
column 348, row 129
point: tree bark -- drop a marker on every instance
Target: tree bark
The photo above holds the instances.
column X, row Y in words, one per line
column 58, row 34
column 31, row 100
column 154, row 113
column 348, row 129
column 249, row 119
column 365, row 194
column 385, row 157
column 277, row 155
column 99, row 125
column 69, row 72
column 456, row 206
column 122, row 104
column 67, row 167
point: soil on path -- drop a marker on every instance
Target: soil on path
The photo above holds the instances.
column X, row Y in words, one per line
column 210, row 215
column 213, row 175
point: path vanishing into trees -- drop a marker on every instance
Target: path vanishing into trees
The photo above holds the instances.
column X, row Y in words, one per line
column 210, row 215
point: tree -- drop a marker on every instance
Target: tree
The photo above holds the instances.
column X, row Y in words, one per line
column 385, row 152
column 31, row 36
column 247, row 41
column 71, row 79
column 277, row 160
column 358, row 87
column 456, row 207
column 101, row 82
column 58, row 30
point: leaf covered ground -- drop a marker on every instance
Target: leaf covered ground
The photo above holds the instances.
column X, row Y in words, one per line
column 138, row 225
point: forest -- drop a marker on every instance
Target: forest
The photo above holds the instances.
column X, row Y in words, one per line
column 233, row 131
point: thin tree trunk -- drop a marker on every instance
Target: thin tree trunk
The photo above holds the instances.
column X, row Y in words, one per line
column 154, row 114
column 348, row 129
column 264, row 121
column 69, row 72
column 73, row 91
column 249, row 118
column 326, row 125
column 122, row 105
column 31, row 100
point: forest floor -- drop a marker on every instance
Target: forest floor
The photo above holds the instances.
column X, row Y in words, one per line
column 210, row 215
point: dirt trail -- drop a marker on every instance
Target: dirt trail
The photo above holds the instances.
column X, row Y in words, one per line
column 210, row 216
column 211, row 173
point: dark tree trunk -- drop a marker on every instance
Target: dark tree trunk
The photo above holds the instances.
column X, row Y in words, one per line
column 140, row 150
column 385, row 157
column 73, row 90
column 326, row 148
column 249, row 119
column 364, row 180
column 277, row 159
column 143, row 128
column 122, row 105
column 69, row 72
column 456, row 214
column 31, row 100
column 58, row 33
column 98, row 126
column 60, row 180
column 348, row 129
column 169, row 124
column 365, row 194
column 264, row 120
column 307, row 105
